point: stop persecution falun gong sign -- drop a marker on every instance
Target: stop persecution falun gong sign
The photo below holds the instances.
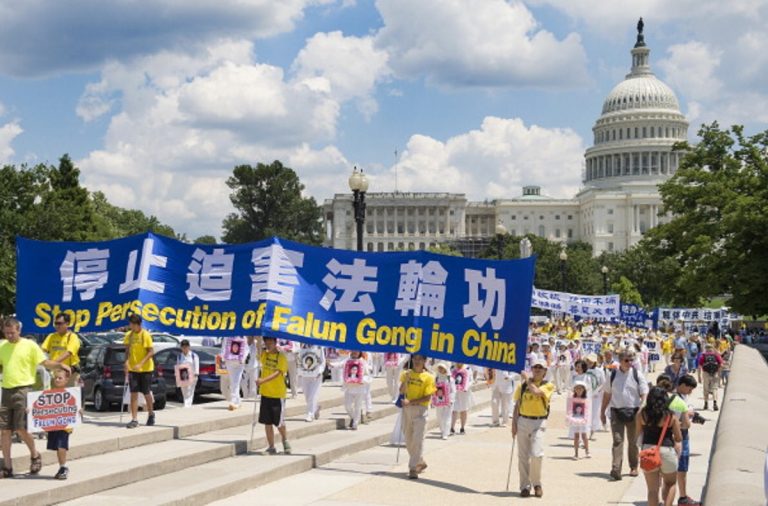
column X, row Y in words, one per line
column 55, row 409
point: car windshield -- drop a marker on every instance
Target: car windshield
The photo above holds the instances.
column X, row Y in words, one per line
column 164, row 338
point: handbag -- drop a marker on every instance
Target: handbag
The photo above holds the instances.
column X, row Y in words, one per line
column 625, row 415
column 650, row 458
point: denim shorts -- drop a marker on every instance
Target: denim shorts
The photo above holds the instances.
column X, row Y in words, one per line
column 685, row 456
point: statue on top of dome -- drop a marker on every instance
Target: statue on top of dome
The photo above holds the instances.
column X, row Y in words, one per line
column 640, row 37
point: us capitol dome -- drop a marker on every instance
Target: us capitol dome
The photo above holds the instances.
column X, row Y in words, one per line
column 618, row 202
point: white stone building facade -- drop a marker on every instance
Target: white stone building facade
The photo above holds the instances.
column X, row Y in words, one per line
column 618, row 202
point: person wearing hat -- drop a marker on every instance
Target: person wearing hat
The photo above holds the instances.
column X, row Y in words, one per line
column 529, row 421
column 416, row 386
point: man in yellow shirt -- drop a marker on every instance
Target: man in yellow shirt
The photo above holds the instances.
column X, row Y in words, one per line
column 529, row 420
column 19, row 359
column 417, row 386
column 139, row 367
column 63, row 346
column 271, row 383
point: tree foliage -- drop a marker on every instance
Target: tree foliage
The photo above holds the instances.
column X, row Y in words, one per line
column 269, row 202
column 719, row 202
column 47, row 203
column 627, row 291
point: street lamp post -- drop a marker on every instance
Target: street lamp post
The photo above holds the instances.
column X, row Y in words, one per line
column 501, row 231
column 604, row 270
column 563, row 260
column 358, row 183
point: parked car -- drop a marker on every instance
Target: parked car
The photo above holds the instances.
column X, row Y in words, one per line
column 103, row 377
column 208, row 381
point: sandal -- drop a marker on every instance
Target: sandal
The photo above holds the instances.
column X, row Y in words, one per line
column 36, row 464
column 7, row 472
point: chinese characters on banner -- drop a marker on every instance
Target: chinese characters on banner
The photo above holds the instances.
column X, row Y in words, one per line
column 634, row 316
column 457, row 309
column 692, row 316
column 598, row 307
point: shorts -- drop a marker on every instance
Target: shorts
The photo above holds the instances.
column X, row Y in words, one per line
column 58, row 440
column 685, row 455
column 668, row 459
column 13, row 408
column 711, row 384
column 271, row 411
column 140, row 382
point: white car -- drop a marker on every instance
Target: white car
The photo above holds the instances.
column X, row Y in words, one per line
column 160, row 340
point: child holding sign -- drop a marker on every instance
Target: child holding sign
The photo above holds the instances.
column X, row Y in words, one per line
column 58, row 440
column 442, row 399
column 355, row 378
column 461, row 380
column 578, row 417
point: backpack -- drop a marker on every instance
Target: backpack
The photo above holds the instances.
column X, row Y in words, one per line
column 710, row 364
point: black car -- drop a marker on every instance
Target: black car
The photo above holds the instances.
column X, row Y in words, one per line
column 103, row 378
column 208, row 381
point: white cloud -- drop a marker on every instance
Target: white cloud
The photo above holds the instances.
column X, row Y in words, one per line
column 494, row 161
column 484, row 43
column 8, row 133
column 185, row 121
column 351, row 66
column 691, row 68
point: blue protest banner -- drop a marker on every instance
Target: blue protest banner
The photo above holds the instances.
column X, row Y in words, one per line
column 633, row 315
column 453, row 308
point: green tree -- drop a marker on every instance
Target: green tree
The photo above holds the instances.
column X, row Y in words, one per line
column 627, row 291
column 114, row 221
column 269, row 202
column 719, row 200
column 205, row 239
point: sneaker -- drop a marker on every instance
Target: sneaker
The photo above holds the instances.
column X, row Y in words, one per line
column 62, row 474
column 151, row 420
column 688, row 501
column 616, row 476
column 714, row 408
column 286, row 447
column 132, row 424
column 633, row 472
column 538, row 491
column 706, row 405
column 271, row 450
column 353, row 426
column 7, row 473
column 444, row 438
column 462, row 431
column 453, row 431
column 309, row 418
column 413, row 475
column 317, row 414
column 526, row 492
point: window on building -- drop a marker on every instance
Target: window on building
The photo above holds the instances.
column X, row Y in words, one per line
column 513, row 217
column 610, row 246
column 557, row 216
column 637, row 132
column 610, row 210
column 570, row 216
column 370, row 246
column 621, row 132
column 610, row 228
column 557, row 233
column 421, row 245
column 644, row 133
column 525, row 217
column 380, row 246
column 542, row 231
column 570, row 233
column 541, row 218
column 411, row 246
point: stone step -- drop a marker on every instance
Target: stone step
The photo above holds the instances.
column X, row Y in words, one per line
column 228, row 477
column 99, row 436
column 110, row 469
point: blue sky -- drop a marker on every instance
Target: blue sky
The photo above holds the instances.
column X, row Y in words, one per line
column 158, row 100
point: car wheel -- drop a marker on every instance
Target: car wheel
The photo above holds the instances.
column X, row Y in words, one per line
column 159, row 403
column 99, row 402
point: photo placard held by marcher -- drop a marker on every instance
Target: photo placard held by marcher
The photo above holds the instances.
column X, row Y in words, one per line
column 184, row 376
column 54, row 409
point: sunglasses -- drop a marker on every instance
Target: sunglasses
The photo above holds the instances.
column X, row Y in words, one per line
column 59, row 323
column 537, row 367
column 627, row 360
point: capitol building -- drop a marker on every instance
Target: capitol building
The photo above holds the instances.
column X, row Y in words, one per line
column 618, row 202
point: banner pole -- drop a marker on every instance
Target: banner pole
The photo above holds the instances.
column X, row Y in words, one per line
column 122, row 401
column 511, row 458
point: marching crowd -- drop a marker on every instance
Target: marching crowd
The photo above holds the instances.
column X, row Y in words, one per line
column 599, row 370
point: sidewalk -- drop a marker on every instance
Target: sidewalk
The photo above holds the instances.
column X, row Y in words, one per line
column 472, row 469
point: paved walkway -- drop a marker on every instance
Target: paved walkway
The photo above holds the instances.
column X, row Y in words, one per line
column 472, row 469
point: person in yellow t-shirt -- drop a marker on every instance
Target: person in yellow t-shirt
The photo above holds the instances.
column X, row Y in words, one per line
column 417, row 386
column 139, row 367
column 19, row 359
column 271, row 383
column 529, row 422
column 63, row 347
column 667, row 347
